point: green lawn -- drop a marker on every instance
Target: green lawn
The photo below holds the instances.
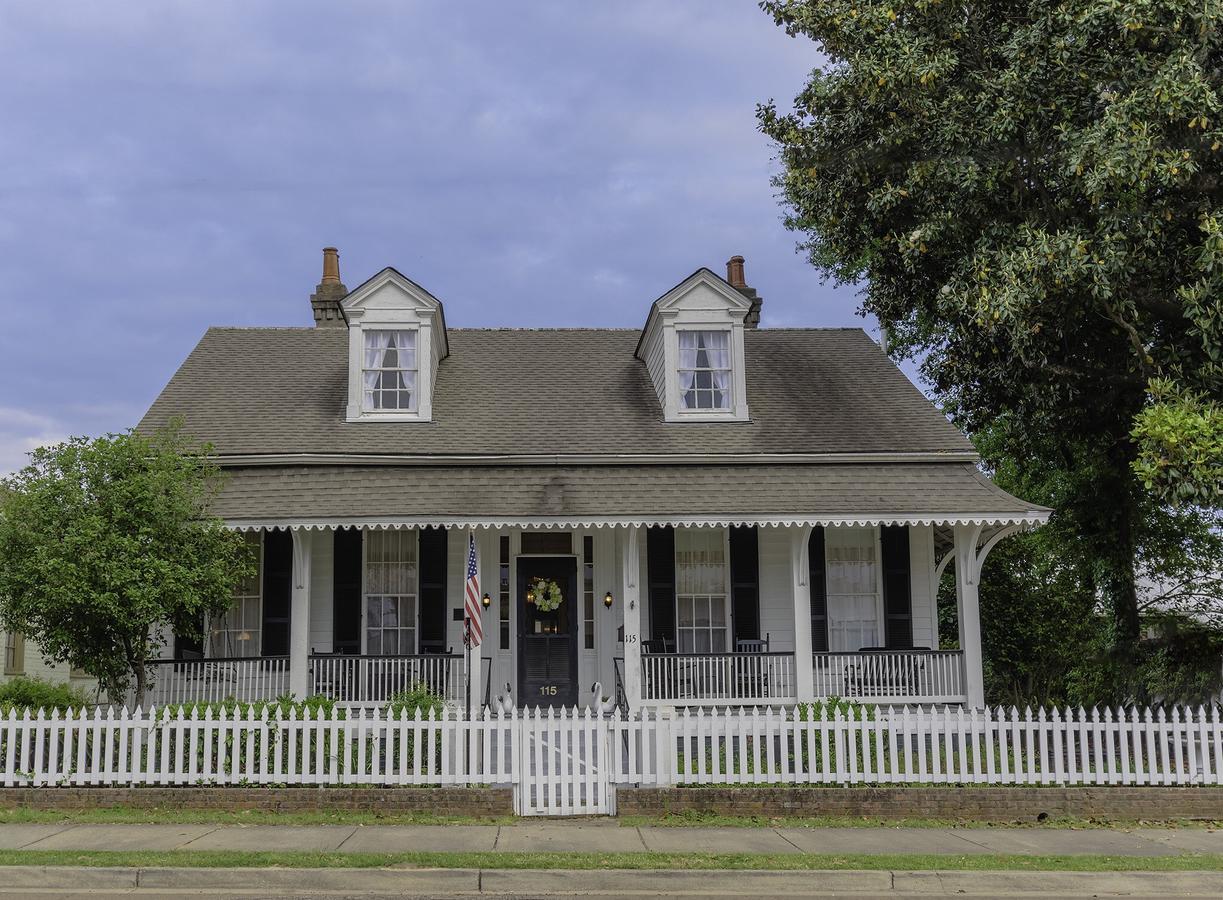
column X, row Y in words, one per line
column 493, row 860
column 689, row 818
column 167, row 816
column 124, row 815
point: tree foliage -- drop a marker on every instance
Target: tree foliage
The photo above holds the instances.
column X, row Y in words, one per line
column 105, row 543
column 1030, row 194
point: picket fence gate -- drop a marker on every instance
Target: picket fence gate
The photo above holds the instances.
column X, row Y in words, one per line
column 570, row 761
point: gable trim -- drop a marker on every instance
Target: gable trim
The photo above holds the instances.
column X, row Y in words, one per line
column 1023, row 520
column 557, row 459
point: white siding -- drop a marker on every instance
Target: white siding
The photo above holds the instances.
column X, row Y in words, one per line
column 655, row 360
column 921, row 573
column 36, row 666
column 776, row 589
column 322, row 598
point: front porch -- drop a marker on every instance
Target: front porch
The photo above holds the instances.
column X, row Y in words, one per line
column 667, row 679
column 710, row 615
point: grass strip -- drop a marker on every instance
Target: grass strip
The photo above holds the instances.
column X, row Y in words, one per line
column 696, row 818
column 493, row 860
column 122, row 815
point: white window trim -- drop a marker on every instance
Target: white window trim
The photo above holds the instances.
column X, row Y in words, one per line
column 726, row 597
column 424, row 373
column 413, row 410
column 364, row 595
column 713, row 412
column 880, row 624
column 737, row 412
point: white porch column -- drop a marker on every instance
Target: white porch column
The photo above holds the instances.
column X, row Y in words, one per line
column 968, row 611
column 804, row 679
column 299, row 615
column 631, row 558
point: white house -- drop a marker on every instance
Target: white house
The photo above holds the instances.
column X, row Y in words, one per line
column 731, row 514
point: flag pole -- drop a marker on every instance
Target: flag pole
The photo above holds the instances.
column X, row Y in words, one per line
column 467, row 664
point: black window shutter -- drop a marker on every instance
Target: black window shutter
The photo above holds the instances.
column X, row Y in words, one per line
column 897, row 598
column 433, row 544
column 277, row 591
column 346, row 592
column 660, row 576
column 745, row 583
column 817, row 578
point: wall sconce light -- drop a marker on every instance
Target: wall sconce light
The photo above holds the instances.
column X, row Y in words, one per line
column 487, row 601
column 530, row 596
column 608, row 600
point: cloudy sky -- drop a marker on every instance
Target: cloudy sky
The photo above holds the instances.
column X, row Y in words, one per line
column 169, row 166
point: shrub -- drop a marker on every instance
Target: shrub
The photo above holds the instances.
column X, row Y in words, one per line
column 419, row 696
column 282, row 706
column 24, row 693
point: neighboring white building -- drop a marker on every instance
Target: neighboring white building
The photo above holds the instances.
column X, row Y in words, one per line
column 20, row 657
column 733, row 514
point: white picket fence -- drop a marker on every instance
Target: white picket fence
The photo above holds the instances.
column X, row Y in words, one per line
column 564, row 762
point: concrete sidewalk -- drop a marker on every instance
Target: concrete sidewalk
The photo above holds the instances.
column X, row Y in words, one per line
column 152, row 882
column 598, row 836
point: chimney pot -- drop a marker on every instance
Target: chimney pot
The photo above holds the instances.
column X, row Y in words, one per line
column 331, row 265
column 734, row 272
column 325, row 301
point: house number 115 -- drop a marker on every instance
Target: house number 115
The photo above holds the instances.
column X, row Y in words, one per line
column 549, row 690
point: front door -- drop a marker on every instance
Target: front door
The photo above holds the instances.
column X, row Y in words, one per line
column 547, row 638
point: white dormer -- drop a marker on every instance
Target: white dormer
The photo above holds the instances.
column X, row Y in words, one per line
column 396, row 338
column 692, row 345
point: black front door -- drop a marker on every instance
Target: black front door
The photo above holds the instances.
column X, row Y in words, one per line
column 547, row 639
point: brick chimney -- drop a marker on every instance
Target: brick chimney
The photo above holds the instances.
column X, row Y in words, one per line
column 325, row 301
column 734, row 274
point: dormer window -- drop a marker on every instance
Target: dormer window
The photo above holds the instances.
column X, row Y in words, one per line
column 704, row 370
column 693, row 349
column 396, row 340
column 390, row 370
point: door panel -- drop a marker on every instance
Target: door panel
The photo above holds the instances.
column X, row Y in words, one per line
column 548, row 641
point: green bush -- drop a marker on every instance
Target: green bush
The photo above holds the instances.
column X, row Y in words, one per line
column 24, row 693
column 417, row 697
column 282, row 706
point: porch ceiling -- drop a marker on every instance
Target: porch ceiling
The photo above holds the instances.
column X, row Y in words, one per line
column 583, row 496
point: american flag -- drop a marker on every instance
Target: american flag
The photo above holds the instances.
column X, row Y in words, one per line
column 471, row 603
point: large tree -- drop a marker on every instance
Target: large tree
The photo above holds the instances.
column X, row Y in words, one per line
column 107, row 543
column 1030, row 195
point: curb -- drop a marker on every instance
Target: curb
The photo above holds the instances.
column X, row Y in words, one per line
column 603, row 882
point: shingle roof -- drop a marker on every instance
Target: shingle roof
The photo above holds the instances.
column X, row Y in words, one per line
column 581, row 391
column 486, row 494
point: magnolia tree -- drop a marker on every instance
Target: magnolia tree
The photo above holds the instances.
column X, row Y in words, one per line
column 106, row 544
column 1031, row 194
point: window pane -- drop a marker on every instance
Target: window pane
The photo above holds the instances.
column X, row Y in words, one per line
column 704, row 369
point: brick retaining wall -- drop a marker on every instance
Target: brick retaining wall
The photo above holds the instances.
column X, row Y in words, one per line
column 386, row 801
column 995, row 804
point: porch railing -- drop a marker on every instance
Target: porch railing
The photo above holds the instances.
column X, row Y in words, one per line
column 725, row 678
column 247, row 679
column 902, row 676
column 375, row 679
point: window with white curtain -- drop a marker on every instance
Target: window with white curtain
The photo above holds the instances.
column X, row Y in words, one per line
column 853, row 588
column 704, row 370
column 390, row 370
column 390, row 592
column 239, row 631
column 701, row 595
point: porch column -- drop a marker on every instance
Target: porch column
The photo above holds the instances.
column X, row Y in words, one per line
column 804, row 679
column 631, row 558
column 968, row 611
column 299, row 615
